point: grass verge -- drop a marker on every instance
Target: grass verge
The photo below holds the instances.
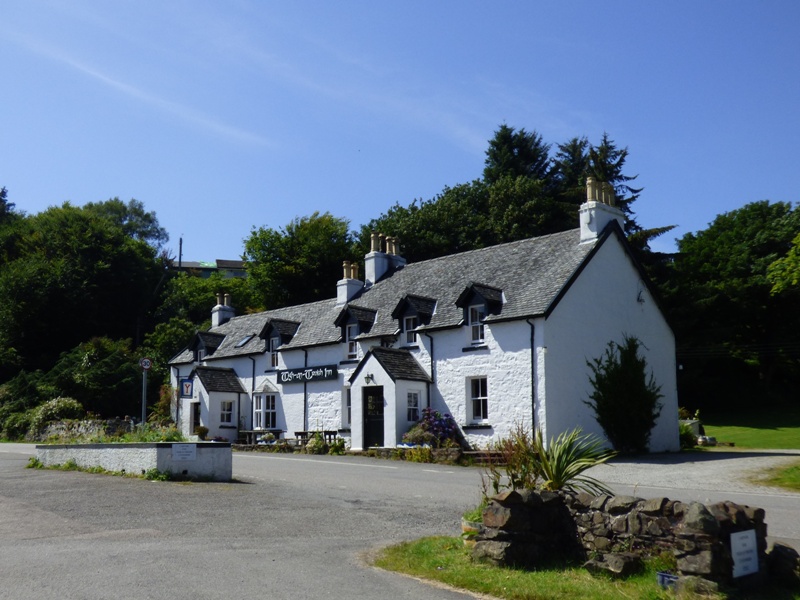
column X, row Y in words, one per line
column 773, row 429
column 71, row 465
column 783, row 477
column 447, row 560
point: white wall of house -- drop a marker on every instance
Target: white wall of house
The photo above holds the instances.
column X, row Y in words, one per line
column 606, row 301
column 505, row 362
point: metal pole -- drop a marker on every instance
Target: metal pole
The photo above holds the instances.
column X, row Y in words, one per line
column 144, row 396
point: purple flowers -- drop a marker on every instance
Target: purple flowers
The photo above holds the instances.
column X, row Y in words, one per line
column 433, row 428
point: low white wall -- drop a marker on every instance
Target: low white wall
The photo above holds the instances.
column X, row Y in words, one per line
column 203, row 460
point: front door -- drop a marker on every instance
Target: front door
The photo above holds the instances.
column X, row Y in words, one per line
column 373, row 416
column 195, row 417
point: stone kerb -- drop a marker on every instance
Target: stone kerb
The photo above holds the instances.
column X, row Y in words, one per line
column 613, row 533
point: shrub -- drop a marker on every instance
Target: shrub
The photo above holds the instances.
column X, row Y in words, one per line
column 316, row 444
column 527, row 462
column 625, row 400
column 57, row 409
column 687, row 437
column 201, row 431
column 338, row 447
column 17, row 425
column 433, row 428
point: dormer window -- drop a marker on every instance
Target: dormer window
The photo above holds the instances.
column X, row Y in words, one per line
column 354, row 321
column 274, row 342
column 413, row 312
column 477, row 313
column 351, row 331
column 409, row 325
column 478, row 301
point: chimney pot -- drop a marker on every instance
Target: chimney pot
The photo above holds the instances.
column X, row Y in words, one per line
column 346, row 272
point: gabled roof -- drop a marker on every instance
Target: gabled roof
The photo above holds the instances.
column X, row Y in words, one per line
column 532, row 274
column 398, row 364
column 215, row 379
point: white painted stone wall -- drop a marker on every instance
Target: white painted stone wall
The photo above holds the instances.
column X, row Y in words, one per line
column 506, row 364
column 609, row 299
column 210, row 460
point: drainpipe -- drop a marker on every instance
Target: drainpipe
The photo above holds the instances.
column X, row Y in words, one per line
column 533, row 376
column 252, row 387
column 433, row 373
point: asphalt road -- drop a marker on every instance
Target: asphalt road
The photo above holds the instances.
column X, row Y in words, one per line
column 290, row 527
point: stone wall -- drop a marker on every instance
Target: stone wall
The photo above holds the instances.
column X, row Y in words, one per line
column 613, row 533
column 84, row 428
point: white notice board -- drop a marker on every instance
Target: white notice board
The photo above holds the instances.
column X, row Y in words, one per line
column 744, row 550
column 184, row 451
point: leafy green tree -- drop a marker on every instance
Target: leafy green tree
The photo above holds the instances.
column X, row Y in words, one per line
column 516, row 153
column 6, row 207
column 735, row 338
column 624, row 398
column 784, row 273
column 71, row 275
column 103, row 375
column 132, row 219
column 300, row 263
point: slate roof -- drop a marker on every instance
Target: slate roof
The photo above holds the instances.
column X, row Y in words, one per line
column 215, row 379
column 398, row 364
column 531, row 274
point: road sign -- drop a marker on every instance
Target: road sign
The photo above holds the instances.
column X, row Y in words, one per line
column 145, row 363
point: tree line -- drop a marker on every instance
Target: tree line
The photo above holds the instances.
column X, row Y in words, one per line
column 86, row 291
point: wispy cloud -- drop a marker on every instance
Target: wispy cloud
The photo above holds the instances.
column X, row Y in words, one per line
column 181, row 111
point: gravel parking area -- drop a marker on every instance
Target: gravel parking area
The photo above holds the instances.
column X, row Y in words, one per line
column 717, row 470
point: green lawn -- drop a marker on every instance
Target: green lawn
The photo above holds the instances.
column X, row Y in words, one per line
column 754, row 428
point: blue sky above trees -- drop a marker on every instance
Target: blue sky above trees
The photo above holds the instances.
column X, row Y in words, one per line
column 224, row 116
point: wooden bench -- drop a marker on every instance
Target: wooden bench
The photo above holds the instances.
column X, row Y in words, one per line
column 303, row 436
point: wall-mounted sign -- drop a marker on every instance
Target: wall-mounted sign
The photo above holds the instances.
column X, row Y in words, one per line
column 308, row 374
column 744, row 550
column 186, row 388
column 184, row 451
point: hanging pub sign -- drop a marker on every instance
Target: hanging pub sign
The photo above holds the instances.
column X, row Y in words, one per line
column 307, row 374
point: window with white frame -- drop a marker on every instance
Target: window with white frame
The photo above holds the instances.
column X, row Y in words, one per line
column 264, row 411
column 226, row 412
column 274, row 342
column 351, row 331
column 413, row 406
column 477, row 313
column 479, row 399
column 258, row 411
column 409, row 325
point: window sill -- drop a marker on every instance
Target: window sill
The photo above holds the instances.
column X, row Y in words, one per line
column 228, row 427
column 477, row 426
column 348, row 361
column 474, row 348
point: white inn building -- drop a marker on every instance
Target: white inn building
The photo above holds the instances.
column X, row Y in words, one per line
column 496, row 337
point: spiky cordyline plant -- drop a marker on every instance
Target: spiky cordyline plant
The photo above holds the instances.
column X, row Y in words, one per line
column 563, row 461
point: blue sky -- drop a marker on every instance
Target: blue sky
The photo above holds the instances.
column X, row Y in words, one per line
column 224, row 116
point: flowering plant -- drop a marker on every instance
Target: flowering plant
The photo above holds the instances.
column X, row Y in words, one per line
column 433, row 428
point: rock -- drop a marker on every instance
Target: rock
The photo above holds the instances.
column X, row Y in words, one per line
column 697, row 518
column 783, row 563
column 621, row 504
column 692, row 586
column 508, row 497
column 654, row 506
column 696, row 564
column 619, row 564
column 491, row 552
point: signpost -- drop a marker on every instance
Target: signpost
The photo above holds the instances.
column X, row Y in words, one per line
column 145, row 363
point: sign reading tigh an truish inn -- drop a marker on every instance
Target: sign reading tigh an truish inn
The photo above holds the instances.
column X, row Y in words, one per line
column 308, row 374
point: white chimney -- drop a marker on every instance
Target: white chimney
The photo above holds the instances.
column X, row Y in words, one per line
column 349, row 285
column 382, row 258
column 223, row 311
column 598, row 210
